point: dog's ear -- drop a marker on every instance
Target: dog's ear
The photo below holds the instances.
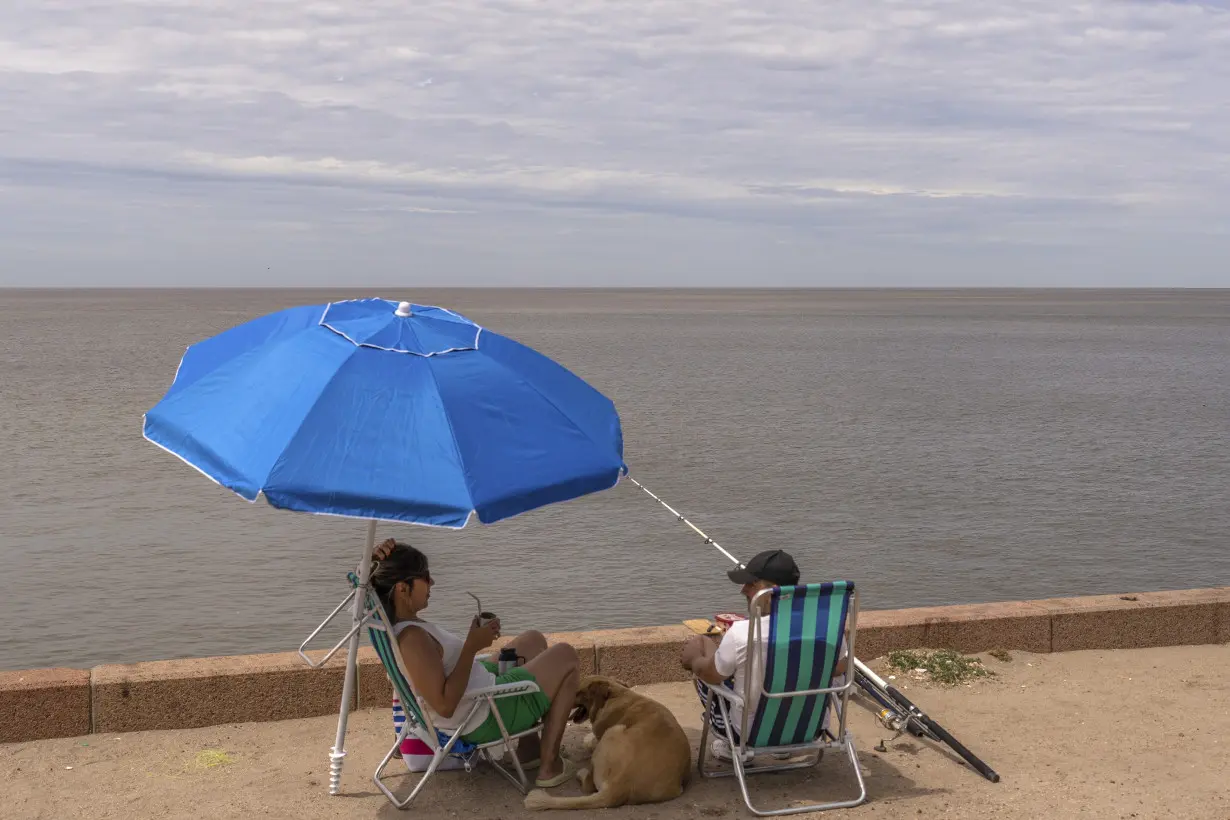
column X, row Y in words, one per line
column 584, row 702
column 599, row 692
column 580, row 711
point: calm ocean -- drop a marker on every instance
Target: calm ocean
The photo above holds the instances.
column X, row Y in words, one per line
column 934, row 446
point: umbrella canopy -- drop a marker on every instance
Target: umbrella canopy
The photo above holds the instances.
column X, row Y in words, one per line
column 380, row 410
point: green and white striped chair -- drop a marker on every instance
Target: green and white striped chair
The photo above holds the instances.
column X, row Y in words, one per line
column 418, row 720
column 807, row 627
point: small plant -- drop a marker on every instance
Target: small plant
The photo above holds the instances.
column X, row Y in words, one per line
column 942, row 666
column 1000, row 655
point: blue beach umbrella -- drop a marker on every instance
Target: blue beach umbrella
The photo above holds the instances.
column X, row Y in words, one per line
column 385, row 411
column 377, row 410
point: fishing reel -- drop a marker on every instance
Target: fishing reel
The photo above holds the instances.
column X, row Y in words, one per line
column 893, row 722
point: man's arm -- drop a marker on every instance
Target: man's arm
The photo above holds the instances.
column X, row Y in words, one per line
column 697, row 657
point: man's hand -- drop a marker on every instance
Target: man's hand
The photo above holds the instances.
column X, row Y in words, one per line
column 694, row 648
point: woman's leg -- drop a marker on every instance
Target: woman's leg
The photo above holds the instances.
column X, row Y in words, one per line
column 557, row 671
column 529, row 646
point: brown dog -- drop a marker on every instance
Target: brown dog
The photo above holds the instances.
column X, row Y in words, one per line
column 641, row 754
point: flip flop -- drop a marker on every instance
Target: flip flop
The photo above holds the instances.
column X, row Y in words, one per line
column 569, row 772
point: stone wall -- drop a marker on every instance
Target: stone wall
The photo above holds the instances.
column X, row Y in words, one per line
column 42, row 703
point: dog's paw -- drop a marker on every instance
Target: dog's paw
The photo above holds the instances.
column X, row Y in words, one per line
column 537, row 799
column 590, row 742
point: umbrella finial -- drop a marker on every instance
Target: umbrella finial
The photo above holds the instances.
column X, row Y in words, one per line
column 404, row 309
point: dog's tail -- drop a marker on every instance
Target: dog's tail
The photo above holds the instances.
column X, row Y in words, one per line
column 540, row 800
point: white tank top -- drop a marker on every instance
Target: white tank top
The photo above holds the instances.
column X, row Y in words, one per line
column 480, row 677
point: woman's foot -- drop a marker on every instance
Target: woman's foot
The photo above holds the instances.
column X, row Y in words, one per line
column 560, row 772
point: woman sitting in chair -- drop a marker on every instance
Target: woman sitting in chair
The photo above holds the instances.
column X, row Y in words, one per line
column 442, row 668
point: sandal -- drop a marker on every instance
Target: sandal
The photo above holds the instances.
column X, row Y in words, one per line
column 569, row 772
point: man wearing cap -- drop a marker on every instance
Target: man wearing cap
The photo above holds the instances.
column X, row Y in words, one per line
column 726, row 663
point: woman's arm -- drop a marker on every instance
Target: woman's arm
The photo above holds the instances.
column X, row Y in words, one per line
column 422, row 656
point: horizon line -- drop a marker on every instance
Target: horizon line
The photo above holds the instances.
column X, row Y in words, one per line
column 618, row 288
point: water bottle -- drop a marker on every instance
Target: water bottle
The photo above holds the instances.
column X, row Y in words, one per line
column 508, row 659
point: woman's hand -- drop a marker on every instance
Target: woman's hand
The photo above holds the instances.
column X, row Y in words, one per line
column 383, row 549
column 481, row 637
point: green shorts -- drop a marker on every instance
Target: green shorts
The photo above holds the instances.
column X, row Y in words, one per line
column 519, row 712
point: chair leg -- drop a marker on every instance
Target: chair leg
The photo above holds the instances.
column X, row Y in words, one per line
column 401, row 735
column 376, row 778
column 519, row 780
column 704, row 746
column 440, row 756
column 741, row 775
column 706, row 726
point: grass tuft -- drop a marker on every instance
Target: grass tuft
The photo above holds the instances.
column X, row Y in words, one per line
column 213, row 758
column 942, row 666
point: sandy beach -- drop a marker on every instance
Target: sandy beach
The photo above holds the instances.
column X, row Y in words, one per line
column 1102, row 734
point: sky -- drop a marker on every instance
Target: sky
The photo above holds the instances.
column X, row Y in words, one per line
column 673, row 142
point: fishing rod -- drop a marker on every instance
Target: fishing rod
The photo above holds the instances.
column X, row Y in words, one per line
column 898, row 713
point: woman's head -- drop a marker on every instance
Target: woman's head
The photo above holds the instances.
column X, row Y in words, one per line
column 402, row 581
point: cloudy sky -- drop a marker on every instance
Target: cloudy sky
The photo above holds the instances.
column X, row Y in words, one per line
column 686, row 142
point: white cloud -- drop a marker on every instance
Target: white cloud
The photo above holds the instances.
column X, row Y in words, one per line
column 1031, row 123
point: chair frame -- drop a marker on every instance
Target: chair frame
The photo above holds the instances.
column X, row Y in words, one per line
column 843, row 741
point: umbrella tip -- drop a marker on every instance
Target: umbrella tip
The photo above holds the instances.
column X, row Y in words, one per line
column 404, row 309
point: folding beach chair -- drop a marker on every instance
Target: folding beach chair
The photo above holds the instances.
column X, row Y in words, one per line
column 418, row 720
column 806, row 625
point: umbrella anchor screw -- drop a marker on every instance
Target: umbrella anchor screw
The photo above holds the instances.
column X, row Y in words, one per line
column 335, row 771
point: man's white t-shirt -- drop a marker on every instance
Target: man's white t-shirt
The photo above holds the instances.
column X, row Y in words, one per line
column 730, row 661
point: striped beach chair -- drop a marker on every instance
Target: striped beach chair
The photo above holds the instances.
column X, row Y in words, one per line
column 444, row 745
column 807, row 627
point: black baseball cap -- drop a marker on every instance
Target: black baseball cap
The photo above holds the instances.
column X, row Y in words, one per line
column 775, row 566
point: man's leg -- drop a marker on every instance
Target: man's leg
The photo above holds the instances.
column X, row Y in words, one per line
column 710, row 701
column 713, row 708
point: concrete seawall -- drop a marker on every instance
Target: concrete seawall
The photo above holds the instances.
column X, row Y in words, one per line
column 45, row 703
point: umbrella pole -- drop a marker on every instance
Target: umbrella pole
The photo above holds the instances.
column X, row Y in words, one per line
column 338, row 754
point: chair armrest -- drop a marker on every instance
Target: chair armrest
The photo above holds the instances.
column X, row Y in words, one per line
column 728, row 695
column 503, row 690
column 484, row 657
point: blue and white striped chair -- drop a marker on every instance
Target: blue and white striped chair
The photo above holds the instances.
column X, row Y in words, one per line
column 808, row 626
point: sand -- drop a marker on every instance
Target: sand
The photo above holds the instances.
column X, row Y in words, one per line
column 1100, row 734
